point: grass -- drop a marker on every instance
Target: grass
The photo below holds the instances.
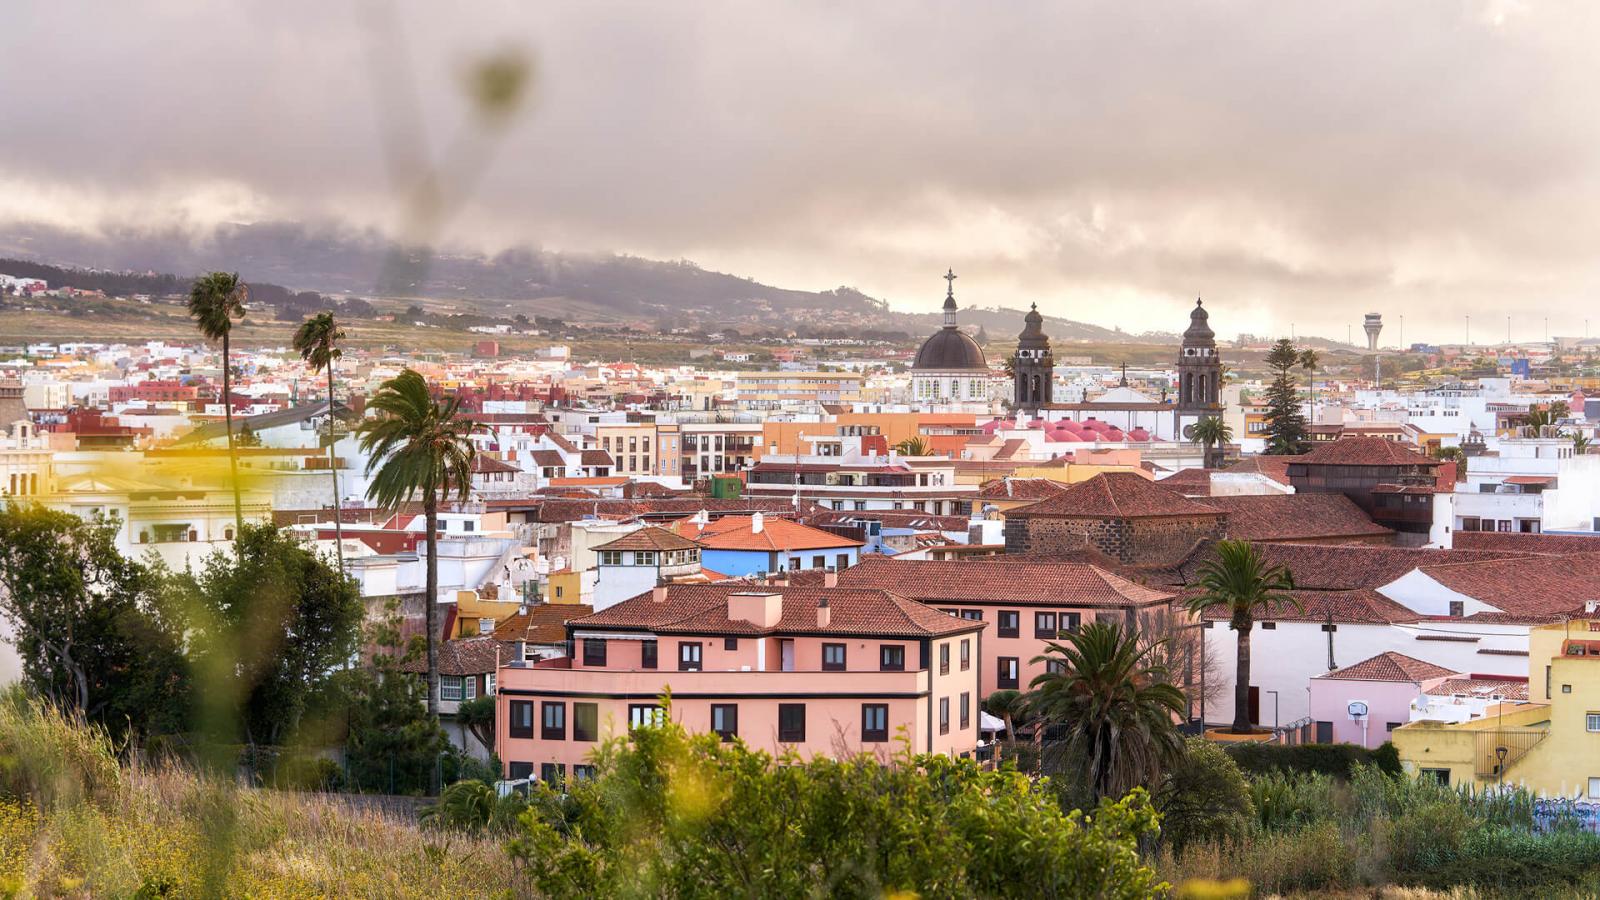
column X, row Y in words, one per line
column 76, row 822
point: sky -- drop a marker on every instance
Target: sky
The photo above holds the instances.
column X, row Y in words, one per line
column 1298, row 164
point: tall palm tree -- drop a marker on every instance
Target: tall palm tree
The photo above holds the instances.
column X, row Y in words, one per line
column 1239, row 582
column 1211, row 431
column 1009, row 705
column 913, row 446
column 1115, row 703
column 421, row 449
column 215, row 300
column 1311, row 362
column 317, row 341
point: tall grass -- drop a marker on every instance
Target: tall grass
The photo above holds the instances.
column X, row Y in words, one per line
column 74, row 821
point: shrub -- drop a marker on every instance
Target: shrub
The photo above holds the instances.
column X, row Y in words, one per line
column 1338, row 760
column 1288, row 802
column 1204, row 797
column 465, row 805
column 50, row 758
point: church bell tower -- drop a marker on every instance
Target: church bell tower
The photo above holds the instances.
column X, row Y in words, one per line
column 1033, row 368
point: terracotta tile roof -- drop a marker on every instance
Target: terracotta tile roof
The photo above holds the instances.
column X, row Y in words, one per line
column 890, row 518
column 1294, row 517
column 1551, row 544
column 571, row 510
column 998, row 579
column 559, row 441
column 1274, row 467
column 1190, row 482
column 465, row 656
column 1365, row 451
column 1363, row 606
column 1010, row 448
column 487, row 464
column 1020, row 489
column 543, row 623
column 1116, row 495
column 1337, row 567
column 548, row 458
column 703, row 609
column 1535, row 587
column 1479, row 686
column 1531, row 479
column 737, row 533
column 650, row 537
column 595, row 458
column 1390, row 666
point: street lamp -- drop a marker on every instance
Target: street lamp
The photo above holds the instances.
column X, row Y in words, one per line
column 1500, row 763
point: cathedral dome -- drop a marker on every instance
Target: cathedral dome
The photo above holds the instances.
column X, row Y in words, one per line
column 950, row 348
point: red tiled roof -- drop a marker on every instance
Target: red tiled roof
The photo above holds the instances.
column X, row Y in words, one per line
column 487, row 464
column 1116, row 495
column 738, row 533
column 1531, row 479
column 703, row 609
column 1365, row 451
column 1274, row 467
column 543, row 623
column 465, row 656
column 1294, row 517
column 650, row 537
column 1534, row 587
column 1481, row 686
column 1338, row 567
column 1020, row 489
column 1190, row 482
column 595, row 458
column 998, row 579
column 890, row 518
column 1390, row 666
column 1363, row 606
column 1551, row 544
column 547, row 458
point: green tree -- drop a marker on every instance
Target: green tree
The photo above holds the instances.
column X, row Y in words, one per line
column 1240, row 583
column 215, row 300
column 89, row 625
column 419, row 449
column 673, row 815
column 913, row 446
column 1114, row 708
column 317, row 341
column 271, row 623
column 1286, row 423
column 1580, row 443
column 1011, row 706
column 394, row 745
column 1204, row 797
column 1455, row 455
column 1210, row 432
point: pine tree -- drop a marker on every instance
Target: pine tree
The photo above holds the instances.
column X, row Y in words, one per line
column 1286, row 423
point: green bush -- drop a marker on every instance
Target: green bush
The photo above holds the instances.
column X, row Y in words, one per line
column 1285, row 802
column 1338, row 760
column 1204, row 797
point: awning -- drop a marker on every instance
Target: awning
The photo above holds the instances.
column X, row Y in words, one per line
column 613, row 636
column 987, row 722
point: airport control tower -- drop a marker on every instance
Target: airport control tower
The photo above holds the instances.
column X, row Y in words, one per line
column 1372, row 325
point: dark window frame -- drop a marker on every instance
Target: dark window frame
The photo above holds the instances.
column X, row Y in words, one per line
column 966, row 710
column 788, row 731
column 869, row 734
column 730, row 712
column 649, row 655
column 519, row 730
column 966, row 654
column 1014, row 629
column 594, row 651
column 557, row 731
column 1008, row 681
column 844, row 657
column 944, row 715
column 685, row 664
column 894, row 652
column 1041, row 629
column 944, row 657
column 586, row 714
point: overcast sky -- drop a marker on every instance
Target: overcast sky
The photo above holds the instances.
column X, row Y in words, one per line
column 1294, row 162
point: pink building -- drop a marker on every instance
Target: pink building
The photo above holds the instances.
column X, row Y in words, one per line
column 1028, row 604
column 818, row 670
column 1362, row 703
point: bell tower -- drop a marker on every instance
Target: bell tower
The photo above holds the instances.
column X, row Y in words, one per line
column 1199, row 373
column 1033, row 367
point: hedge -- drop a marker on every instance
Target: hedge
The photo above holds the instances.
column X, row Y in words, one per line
column 1337, row 760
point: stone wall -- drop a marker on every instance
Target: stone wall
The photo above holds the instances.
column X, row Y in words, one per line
column 1144, row 541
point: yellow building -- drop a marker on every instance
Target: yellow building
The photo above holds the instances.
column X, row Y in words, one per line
column 477, row 613
column 566, row 586
column 1549, row 745
column 779, row 390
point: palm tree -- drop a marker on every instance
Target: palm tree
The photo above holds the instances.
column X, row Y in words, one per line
column 913, row 446
column 317, row 340
column 1241, row 583
column 1211, row 431
column 1580, row 443
column 215, row 300
column 1310, row 362
column 1539, row 418
column 1010, row 705
column 1117, row 709
column 421, row 449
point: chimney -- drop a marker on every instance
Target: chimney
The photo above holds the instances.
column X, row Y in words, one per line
column 824, row 613
column 760, row 608
column 758, row 522
column 519, row 653
column 830, row 578
column 658, row 594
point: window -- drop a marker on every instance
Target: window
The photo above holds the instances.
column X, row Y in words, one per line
column 1442, row 776
column 1008, row 671
column 585, row 722
column 647, row 654
column 1592, row 721
column 594, row 652
column 1390, row 726
column 581, row 772
column 972, row 615
column 842, row 561
column 1327, row 627
column 488, row 683
column 730, row 643
column 791, row 722
column 641, row 715
column 469, row 687
column 833, row 656
column 966, row 654
column 819, row 561
column 644, row 558
column 555, row 721
column 1269, row 626
column 1068, row 621
column 1008, row 622
column 1458, row 608
column 560, row 590
column 944, row 658
column 485, row 625
column 1044, row 625
column 610, row 557
column 552, row 773
column 689, row 656
column 1055, row 666
column 874, row 722
column 1324, row 732
column 519, row 770
column 892, row 658
column 966, row 710
column 944, row 715
column 725, row 720
column 449, row 687
column 1594, row 788
column 522, row 718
